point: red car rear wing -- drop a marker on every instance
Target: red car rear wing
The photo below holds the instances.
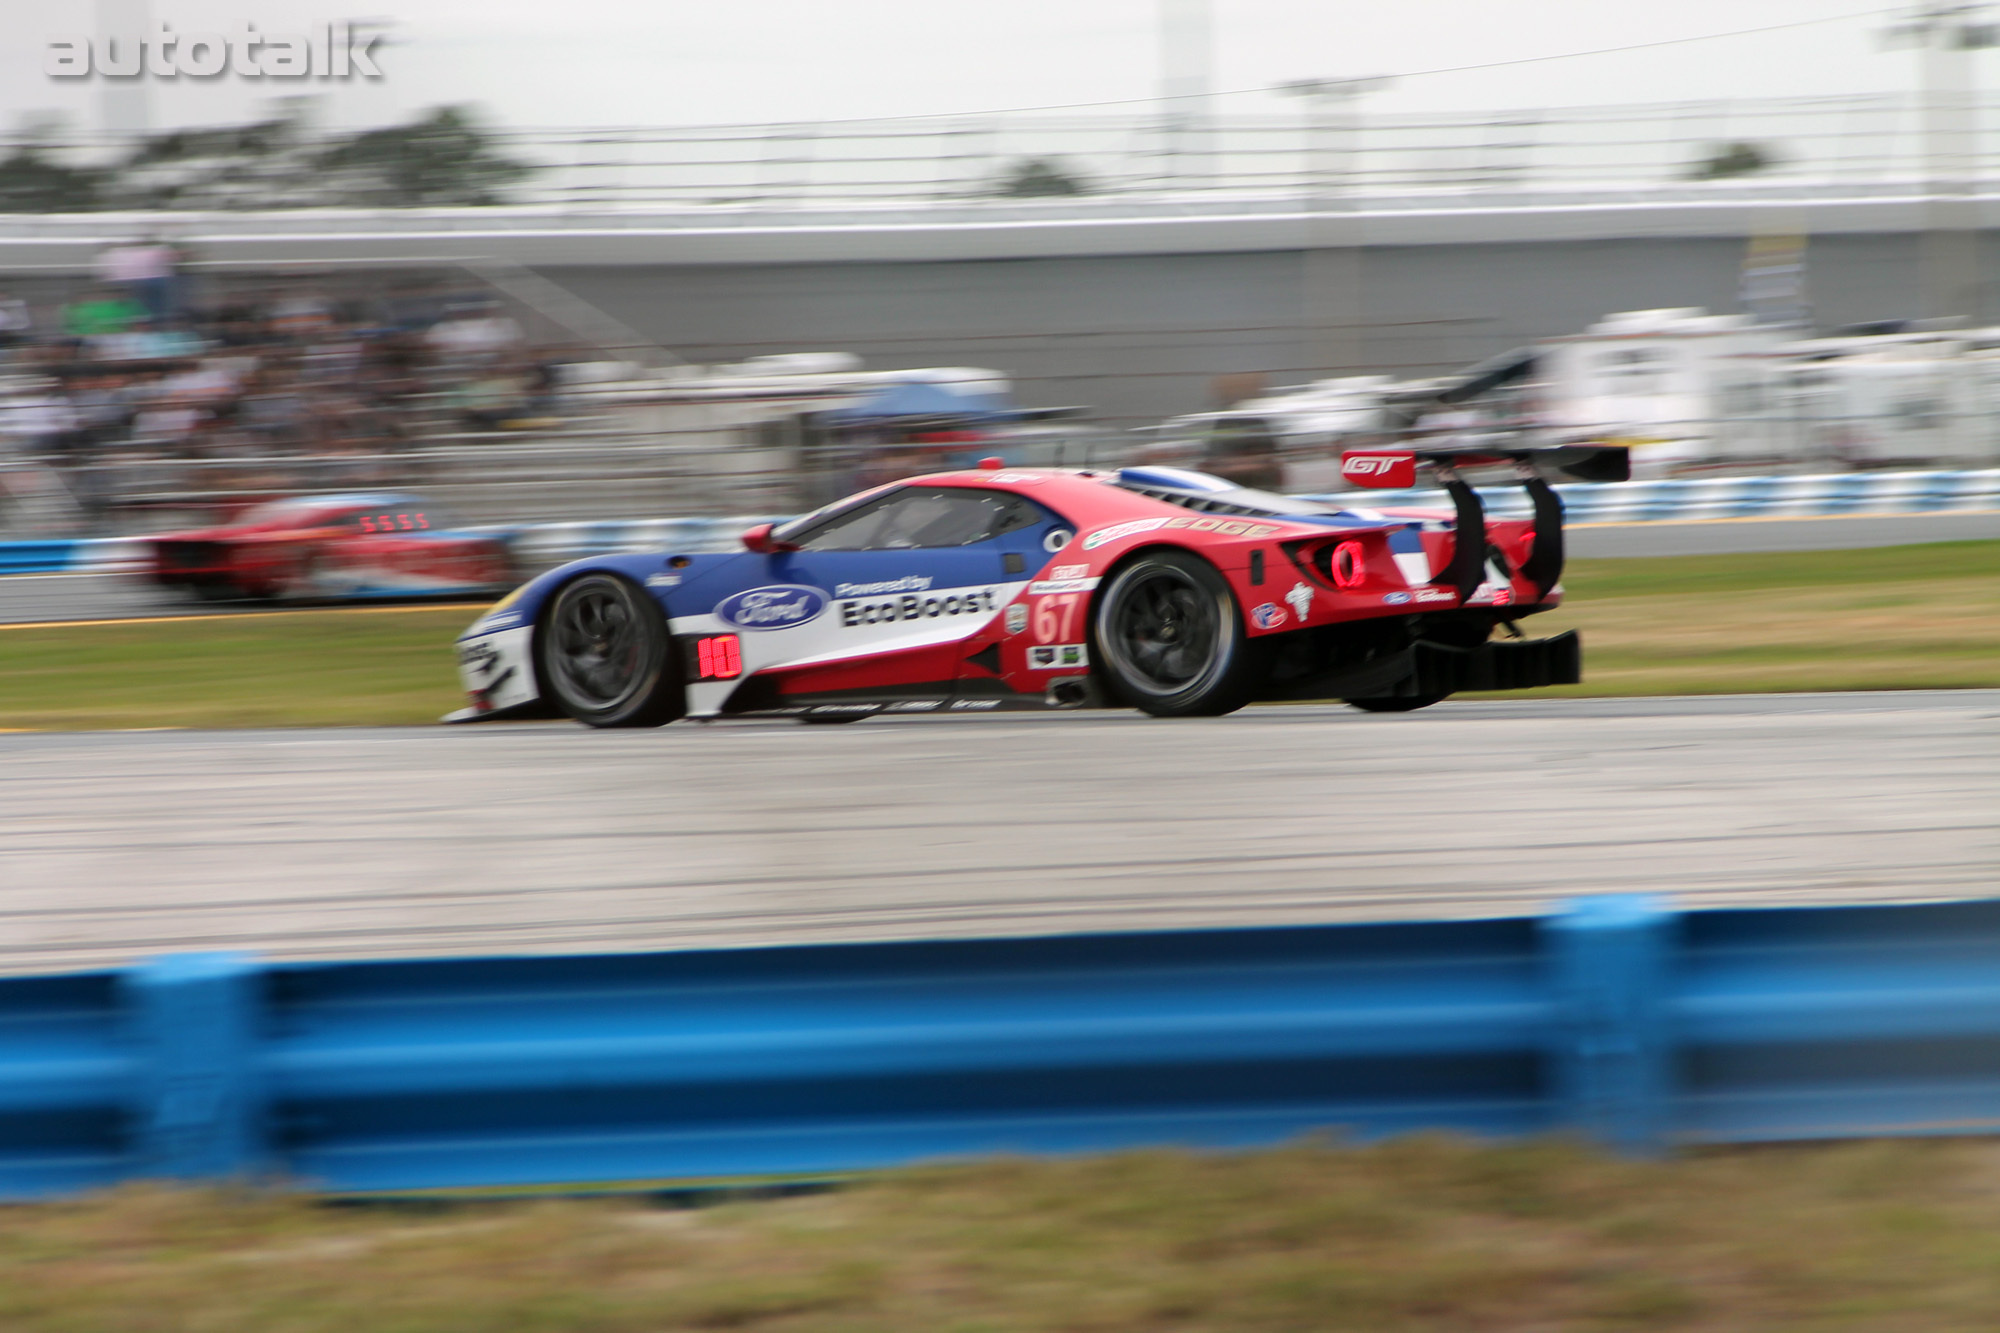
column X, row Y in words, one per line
column 1396, row 469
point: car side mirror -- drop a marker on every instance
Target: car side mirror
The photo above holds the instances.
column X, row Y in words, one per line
column 759, row 539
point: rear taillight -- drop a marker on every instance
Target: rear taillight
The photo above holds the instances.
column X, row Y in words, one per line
column 1349, row 565
column 1344, row 564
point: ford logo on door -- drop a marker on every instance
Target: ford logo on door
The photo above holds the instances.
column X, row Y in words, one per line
column 780, row 606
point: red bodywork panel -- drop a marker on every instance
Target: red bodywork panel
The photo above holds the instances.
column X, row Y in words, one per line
column 1296, row 591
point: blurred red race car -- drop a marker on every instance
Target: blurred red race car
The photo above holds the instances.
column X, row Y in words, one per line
column 333, row 548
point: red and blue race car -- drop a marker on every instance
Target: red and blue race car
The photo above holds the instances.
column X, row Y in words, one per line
column 1174, row 592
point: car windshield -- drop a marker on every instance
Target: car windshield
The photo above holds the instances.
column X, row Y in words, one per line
column 826, row 514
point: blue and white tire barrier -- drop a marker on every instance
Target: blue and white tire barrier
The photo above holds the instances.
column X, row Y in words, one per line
column 108, row 555
column 43, row 557
column 1686, row 500
column 535, row 545
column 1681, row 500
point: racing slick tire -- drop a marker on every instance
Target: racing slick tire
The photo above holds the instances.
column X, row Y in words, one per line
column 604, row 655
column 1169, row 638
column 1392, row 704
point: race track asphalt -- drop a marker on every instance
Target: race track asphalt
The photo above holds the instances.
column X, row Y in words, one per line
column 28, row 598
column 539, row 837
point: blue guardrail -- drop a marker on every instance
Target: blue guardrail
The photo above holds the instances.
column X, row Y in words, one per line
column 43, row 557
column 1639, row 1026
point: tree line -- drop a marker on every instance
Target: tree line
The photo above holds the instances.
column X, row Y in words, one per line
column 441, row 159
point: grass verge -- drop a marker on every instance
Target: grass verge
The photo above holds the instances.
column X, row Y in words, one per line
column 1409, row 1236
column 286, row 669
column 1897, row 618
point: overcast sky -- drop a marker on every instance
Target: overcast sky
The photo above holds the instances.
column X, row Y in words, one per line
column 535, row 63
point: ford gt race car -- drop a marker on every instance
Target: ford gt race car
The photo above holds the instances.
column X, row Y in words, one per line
column 324, row 547
column 1174, row 592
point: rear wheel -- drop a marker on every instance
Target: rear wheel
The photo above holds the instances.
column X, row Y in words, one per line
column 1170, row 639
column 605, row 656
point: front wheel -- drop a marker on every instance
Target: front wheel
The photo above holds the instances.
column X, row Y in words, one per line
column 605, row 655
column 1170, row 639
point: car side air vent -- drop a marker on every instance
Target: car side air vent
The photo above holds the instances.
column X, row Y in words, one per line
column 1201, row 504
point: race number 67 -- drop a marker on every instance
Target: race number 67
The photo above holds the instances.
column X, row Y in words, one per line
column 1054, row 616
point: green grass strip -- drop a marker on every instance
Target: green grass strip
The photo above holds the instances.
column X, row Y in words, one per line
column 290, row 669
column 1711, row 574
column 1905, row 617
column 1890, row 618
column 1418, row 1235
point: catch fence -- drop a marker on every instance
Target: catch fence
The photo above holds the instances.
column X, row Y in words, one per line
column 1244, row 146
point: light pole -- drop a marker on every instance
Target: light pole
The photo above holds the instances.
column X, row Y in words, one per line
column 1947, row 32
column 1330, row 288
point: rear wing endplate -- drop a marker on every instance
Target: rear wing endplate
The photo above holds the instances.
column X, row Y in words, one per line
column 1396, row 469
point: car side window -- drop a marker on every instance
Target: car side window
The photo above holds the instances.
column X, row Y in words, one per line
column 917, row 517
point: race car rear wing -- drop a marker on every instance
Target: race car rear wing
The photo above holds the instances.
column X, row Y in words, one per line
column 1396, row 469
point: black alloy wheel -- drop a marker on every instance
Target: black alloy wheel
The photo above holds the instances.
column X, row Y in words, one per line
column 605, row 655
column 1169, row 637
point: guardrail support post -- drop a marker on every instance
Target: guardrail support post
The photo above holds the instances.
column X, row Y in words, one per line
column 1612, row 1059
column 199, row 1112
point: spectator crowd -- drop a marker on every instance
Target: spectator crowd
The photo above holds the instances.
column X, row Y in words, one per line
column 132, row 392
